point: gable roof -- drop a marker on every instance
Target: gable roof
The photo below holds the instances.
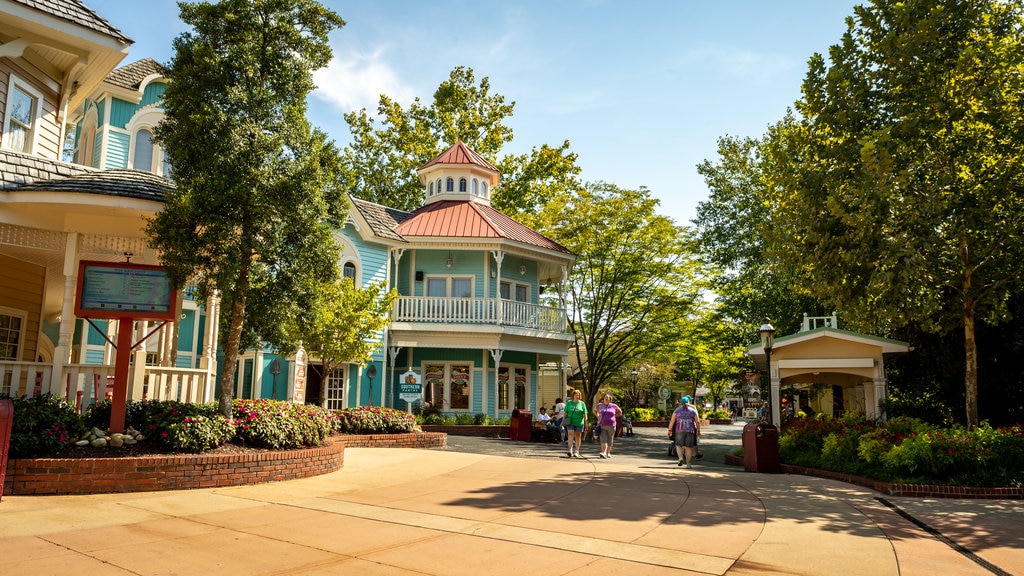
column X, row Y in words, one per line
column 381, row 219
column 132, row 75
column 78, row 13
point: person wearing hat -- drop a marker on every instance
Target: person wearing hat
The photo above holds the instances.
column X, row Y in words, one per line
column 684, row 428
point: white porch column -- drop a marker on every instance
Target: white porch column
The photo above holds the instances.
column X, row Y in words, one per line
column 137, row 375
column 388, row 384
column 62, row 352
column 870, row 401
column 881, row 390
column 775, row 394
column 208, row 360
column 499, row 309
column 496, row 355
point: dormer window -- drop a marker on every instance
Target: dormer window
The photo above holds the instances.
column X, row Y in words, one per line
column 476, row 187
column 438, row 185
column 430, row 190
column 483, row 191
column 462, row 184
column 450, row 185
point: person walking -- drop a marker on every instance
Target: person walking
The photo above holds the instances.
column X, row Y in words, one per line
column 575, row 423
column 684, row 427
column 608, row 414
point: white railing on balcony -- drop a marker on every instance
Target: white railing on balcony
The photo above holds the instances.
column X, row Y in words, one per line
column 84, row 384
column 479, row 311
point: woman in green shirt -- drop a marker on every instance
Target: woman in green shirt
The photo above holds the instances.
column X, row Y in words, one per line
column 575, row 423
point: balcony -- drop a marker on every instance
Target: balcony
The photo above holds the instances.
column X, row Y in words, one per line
column 480, row 311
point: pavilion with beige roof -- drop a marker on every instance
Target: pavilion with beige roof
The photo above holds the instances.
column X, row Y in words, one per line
column 820, row 353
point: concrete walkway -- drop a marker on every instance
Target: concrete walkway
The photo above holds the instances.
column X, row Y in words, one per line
column 492, row 507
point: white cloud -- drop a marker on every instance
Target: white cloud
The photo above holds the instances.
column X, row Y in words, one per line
column 354, row 80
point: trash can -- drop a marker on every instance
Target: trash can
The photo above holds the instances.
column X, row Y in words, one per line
column 520, row 425
column 6, row 420
column 760, row 448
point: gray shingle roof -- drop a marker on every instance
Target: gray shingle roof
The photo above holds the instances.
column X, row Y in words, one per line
column 78, row 13
column 381, row 219
column 132, row 75
column 26, row 173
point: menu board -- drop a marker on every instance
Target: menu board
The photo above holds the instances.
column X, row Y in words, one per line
column 124, row 290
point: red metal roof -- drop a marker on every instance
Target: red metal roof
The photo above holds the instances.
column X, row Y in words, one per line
column 459, row 153
column 465, row 219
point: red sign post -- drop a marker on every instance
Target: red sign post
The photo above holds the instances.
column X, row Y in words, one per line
column 124, row 292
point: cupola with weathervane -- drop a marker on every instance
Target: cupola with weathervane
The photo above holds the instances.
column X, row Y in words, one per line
column 460, row 174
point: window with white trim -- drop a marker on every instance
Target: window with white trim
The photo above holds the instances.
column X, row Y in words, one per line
column 21, row 118
column 349, row 271
column 147, row 155
column 512, row 387
column 448, row 385
column 12, row 327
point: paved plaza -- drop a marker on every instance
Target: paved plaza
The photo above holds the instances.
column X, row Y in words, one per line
column 493, row 507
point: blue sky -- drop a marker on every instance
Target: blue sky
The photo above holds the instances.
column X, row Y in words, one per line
column 642, row 89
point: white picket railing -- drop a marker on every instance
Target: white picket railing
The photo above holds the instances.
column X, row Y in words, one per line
column 84, row 384
column 479, row 311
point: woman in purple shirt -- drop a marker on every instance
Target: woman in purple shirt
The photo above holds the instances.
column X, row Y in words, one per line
column 607, row 418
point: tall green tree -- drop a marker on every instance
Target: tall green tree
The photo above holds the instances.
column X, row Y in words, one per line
column 910, row 202
column 634, row 279
column 257, row 188
column 345, row 321
column 381, row 161
column 736, row 228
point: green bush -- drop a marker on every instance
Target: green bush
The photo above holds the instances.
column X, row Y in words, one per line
column 644, row 414
column 375, row 420
column 181, row 427
column 482, row 420
column 719, row 414
column 279, row 424
column 43, row 426
column 465, row 419
column 907, row 450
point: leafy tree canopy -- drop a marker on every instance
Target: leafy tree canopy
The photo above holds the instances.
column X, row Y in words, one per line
column 256, row 187
column 380, row 163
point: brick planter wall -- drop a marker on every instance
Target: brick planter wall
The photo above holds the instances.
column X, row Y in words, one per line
column 182, row 472
column 892, row 489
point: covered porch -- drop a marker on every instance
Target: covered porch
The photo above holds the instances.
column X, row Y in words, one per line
column 851, row 364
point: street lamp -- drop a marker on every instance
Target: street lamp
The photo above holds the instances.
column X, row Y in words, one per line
column 636, row 396
column 767, row 339
column 275, row 369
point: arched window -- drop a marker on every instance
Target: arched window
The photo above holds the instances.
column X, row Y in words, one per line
column 349, row 271
column 430, row 190
column 143, row 150
column 483, row 191
column 450, row 185
column 438, row 185
column 476, row 187
column 462, row 184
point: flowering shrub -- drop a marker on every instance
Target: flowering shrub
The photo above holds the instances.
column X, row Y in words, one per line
column 374, row 420
column 907, row 450
column 278, row 424
column 181, row 427
column 43, row 425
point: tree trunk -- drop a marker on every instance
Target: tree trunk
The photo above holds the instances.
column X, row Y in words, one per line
column 971, row 365
column 234, row 340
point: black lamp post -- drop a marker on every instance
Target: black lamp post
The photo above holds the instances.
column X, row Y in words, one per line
column 636, row 395
column 275, row 369
column 371, row 373
column 767, row 339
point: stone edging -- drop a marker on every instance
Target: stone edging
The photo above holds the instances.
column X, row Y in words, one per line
column 895, row 489
column 183, row 472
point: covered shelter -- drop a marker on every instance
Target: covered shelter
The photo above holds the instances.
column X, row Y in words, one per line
column 851, row 365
